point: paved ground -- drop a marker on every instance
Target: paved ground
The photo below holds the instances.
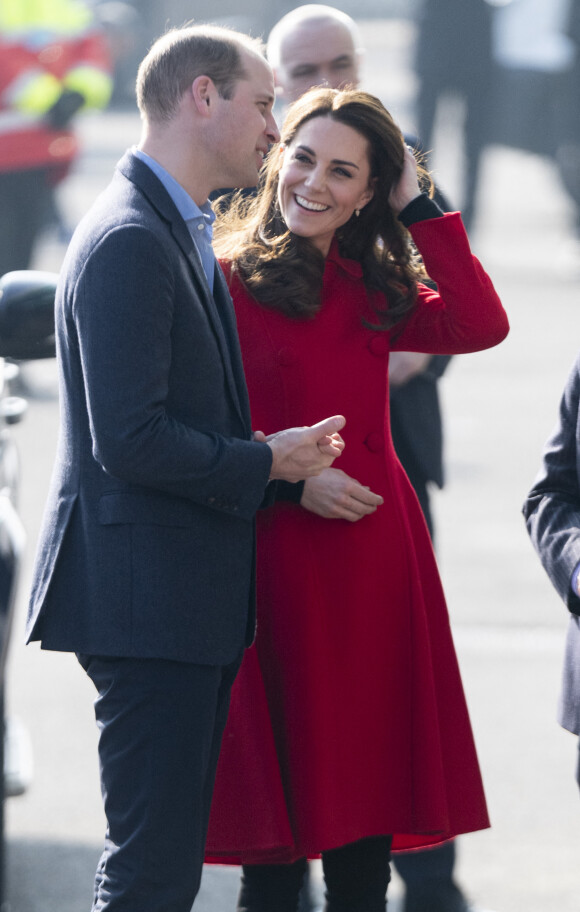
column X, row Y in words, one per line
column 509, row 625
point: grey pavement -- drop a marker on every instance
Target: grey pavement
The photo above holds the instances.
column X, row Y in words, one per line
column 508, row 623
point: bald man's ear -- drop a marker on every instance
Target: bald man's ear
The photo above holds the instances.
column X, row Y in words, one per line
column 278, row 85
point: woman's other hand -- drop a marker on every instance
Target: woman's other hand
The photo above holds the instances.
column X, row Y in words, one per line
column 335, row 495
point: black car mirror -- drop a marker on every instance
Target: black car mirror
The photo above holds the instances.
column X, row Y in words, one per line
column 27, row 315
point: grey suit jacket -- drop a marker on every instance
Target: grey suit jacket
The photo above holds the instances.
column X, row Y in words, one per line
column 147, row 547
column 552, row 513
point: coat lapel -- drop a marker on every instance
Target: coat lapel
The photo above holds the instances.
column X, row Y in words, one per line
column 226, row 308
column 218, row 307
column 220, row 311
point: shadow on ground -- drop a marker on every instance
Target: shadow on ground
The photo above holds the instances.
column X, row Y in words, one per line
column 50, row 876
column 57, row 876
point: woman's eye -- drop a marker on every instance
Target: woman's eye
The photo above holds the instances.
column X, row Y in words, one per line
column 342, row 172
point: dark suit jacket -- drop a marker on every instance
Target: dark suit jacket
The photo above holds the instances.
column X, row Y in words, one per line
column 147, row 547
column 552, row 512
column 416, row 424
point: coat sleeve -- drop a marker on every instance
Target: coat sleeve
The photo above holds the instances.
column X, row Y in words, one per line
column 123, row 322
column 552, row 508
column 464, row 313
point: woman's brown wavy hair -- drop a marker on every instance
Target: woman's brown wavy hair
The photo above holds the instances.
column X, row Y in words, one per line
column 284, row 271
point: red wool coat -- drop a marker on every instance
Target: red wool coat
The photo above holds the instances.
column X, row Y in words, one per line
column 348, row 717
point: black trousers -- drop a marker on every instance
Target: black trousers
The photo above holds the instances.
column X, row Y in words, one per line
column 356, row 877
column 428, row 879
column 161, row 726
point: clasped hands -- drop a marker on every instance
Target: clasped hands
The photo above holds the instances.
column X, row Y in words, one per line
column 308, row 453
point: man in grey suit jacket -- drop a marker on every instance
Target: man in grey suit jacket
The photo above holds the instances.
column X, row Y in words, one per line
column 552, row 513
column 145, row 565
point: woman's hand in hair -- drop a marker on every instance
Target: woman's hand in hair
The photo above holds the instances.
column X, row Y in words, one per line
column 407, row 188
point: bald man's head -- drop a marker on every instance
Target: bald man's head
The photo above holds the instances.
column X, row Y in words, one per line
column 314, row 45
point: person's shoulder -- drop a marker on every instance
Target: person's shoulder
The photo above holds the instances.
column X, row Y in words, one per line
column 571, row 393
column 118, row 205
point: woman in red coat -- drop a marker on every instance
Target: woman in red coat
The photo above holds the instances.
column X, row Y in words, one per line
column 348, row 730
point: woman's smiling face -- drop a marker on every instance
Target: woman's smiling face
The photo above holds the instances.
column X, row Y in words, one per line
column 325, row 175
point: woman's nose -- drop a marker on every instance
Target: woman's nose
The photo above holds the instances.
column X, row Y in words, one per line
column 316, row 179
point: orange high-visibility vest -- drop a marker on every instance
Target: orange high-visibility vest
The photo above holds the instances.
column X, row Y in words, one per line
column 46, row 48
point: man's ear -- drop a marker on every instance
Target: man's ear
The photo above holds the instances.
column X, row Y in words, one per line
column 203, row 92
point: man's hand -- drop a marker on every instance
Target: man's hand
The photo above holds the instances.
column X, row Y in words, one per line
column 335, row 495
column 299, row 453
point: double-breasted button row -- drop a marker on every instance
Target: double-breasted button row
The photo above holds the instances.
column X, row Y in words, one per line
column 378, row 345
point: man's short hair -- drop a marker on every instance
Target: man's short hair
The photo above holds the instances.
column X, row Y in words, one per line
column 181, row 55
column 309, row 13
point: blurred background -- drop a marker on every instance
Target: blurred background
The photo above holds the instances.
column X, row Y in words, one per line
column 493, row 91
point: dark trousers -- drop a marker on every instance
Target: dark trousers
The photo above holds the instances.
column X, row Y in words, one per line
column 356, row 877
column 428, row 878
column 161, row 726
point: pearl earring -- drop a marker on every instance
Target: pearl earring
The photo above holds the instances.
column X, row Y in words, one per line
column 357, row 212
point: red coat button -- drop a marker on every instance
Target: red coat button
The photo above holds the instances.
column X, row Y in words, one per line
column 379, row 345
column 375, row 442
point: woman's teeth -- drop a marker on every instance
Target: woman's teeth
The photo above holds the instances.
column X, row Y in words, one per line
column 307, row 204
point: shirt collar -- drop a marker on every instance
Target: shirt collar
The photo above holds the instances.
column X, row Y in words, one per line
column 187, row 208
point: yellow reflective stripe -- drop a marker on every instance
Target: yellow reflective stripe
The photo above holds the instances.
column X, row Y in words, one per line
column 36, row 94
column 57, row 16
column 93, row 83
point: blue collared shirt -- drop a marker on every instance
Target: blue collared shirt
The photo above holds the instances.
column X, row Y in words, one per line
column 198, row 220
